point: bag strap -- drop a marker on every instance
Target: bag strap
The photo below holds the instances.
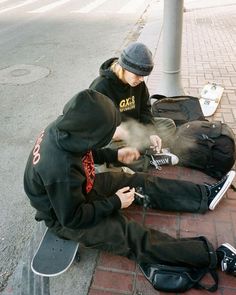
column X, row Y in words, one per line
column 214, row 286
column 210, row 269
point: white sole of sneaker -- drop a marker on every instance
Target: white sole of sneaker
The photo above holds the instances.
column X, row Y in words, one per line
column 230, row 247
column 219, row 196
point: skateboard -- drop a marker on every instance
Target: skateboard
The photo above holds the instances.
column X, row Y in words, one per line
column 210, row 97
column 54, row 255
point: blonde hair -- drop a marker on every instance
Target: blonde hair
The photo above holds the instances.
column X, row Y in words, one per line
column 118, row 70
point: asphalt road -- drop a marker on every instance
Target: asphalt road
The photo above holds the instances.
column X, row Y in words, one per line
column 49, row 50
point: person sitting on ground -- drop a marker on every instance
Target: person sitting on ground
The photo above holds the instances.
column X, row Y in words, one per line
column 77, row 204
column 122, row 80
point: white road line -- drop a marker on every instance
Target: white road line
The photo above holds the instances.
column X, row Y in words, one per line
column 17, row 6
column 131, row 6
column 2, row 1
column 49, row 6
column 89, row 7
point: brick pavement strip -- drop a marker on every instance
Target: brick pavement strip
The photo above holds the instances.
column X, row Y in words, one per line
column 209, row 51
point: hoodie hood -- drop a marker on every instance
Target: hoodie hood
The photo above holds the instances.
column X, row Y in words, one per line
column 88, row 122
column 105, row 70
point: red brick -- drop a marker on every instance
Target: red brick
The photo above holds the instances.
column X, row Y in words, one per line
column 197, row 226
column 143, row 286
column 221, row 214
column 231, row 195
column 226, row 291
column 112, row 281
column 101, row 292
column 201, row 292
column 226, row 280
column 162, row 221
column 107, row 260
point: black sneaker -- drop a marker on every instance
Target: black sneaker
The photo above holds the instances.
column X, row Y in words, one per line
column 217, row 190
column 163, row 158
column 227, row 256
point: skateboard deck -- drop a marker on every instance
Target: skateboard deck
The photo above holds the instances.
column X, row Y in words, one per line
column 210, row 97
column 54, row 255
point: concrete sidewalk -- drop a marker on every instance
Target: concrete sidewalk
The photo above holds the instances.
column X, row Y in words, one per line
column 208, row 55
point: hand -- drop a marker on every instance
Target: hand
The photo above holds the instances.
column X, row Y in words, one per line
column 120, row 134
column 127, row 155
column 156, row 143
column 126, row 196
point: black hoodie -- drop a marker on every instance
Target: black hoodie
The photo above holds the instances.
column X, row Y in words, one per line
column 60, row 171
column 132, row 102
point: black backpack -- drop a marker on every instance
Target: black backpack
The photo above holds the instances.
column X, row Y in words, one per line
column 206, row 146
column 181, row 109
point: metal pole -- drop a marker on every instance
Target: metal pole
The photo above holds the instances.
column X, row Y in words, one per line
column 170, row 84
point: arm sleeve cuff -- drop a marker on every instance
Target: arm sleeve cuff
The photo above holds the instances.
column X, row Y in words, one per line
column 115, row 200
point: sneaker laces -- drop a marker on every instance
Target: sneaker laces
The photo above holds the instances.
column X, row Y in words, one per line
column 157, row 163
column 164, row 159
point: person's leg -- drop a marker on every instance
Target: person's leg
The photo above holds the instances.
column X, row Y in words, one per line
column 120, row 236
column 167, row 194
column 176, row 195
column 164, row 194
column 165, row 128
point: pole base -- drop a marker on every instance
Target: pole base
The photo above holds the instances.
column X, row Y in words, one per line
column 170, row 85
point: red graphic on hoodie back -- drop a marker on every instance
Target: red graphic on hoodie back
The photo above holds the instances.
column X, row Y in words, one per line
column 89, row 170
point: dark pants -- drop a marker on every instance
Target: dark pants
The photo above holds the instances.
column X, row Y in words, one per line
column 121, row 236
column 165, row 194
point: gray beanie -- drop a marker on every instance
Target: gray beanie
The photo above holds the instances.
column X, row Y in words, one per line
column 137, row 59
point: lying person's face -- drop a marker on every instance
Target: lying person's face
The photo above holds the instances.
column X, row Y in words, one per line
column 132, row 79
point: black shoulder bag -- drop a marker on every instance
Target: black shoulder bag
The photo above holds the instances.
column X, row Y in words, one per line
column 177, row 278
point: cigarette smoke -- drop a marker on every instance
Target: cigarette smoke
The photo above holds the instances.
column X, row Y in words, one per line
column 136, row 134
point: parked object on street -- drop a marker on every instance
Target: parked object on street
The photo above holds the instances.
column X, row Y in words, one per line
column 210, row 97
column 54, row 255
